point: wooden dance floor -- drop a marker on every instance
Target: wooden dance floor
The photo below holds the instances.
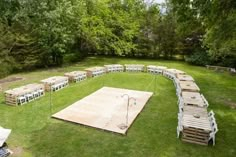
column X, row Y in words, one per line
column 106, row 109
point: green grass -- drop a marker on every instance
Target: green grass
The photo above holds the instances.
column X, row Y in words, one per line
column 153, row 134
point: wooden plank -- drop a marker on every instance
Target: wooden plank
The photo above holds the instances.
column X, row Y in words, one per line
column 184, row 77
column 193, row 99
column 200, row 123
column 175, row 71
column 193, row 112
column 205, row 129
column 194, row 142
column 194, row 108
column 196, row 123
column 192, row 117
column 75, row 73
column 199, row 126
column 196, row 132
column 190, row 129
column 95, row 68
column 161, row 67
column 90, row 110
column 188, row 86
column 54, row 80
column 196, row 129
column 195, row 136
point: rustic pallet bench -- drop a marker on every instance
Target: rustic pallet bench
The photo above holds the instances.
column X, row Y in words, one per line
column 217, row 68
column 195, row 129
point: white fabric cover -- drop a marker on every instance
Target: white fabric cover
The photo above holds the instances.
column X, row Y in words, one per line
column 4, row 133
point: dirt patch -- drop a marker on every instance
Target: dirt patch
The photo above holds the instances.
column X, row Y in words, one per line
column 61, row 70
column 52, row 70
column 10, row 79
column 17, row 151
column 230, row 103
column 57, row 70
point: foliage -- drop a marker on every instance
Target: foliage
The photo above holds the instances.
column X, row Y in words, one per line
column 51, row 29
column 198, row 58
column 220, row 20
column 212, row 23
column 42, row 35
column 189, row 28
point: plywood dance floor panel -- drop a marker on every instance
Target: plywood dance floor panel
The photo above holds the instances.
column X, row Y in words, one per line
column 106, row 109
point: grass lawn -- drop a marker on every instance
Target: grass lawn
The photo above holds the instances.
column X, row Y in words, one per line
column 153, row 134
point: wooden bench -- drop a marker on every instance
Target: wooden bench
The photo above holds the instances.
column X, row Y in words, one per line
column 188, row 86
column 218, row 68
column 95, row 71
column 76, row 76
column 134, row 67
column 27, row 93
column 155, row 69
column 51, row 82
column 114, row 68
column 193, row 99
column 196, row 130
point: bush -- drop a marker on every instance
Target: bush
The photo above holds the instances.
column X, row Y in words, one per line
column 7, row 65
column 229, row 61
column 5, row 69
column 198, row 58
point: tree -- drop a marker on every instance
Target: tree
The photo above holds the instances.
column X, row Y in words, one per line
column 219, row 18
column 212, row 24
column 189, row 28
column 147, row 39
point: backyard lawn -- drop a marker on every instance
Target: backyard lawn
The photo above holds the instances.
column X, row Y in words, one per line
column 153, row 134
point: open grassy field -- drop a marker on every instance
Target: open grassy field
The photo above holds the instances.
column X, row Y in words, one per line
column 153, row 134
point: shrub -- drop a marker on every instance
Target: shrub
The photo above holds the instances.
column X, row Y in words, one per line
column 198, row 58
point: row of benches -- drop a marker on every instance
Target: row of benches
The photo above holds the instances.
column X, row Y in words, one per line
column 194, row 123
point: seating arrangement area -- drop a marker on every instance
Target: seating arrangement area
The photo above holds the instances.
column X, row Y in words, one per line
column 134, row 67
column 114, row 68
column 55, row 83
column 95, row 71
column 24, row 94
column 76, row 76
column 195, row 125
